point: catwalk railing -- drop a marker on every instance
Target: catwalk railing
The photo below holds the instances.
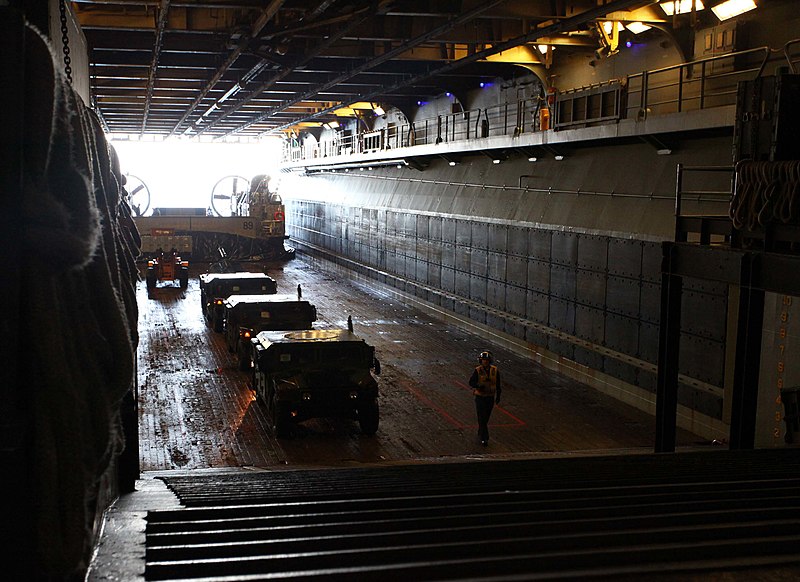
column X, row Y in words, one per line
column 698, row 85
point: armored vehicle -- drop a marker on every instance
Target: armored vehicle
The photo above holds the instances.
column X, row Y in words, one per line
column 247, row 315
column 314, row 374
column 215, row 288
column 167, row 267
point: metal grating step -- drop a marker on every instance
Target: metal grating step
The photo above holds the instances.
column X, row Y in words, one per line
column 457, row 478
column 408, row 527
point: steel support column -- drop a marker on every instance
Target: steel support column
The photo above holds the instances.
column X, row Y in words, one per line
column 748, row 357
column 668, row 351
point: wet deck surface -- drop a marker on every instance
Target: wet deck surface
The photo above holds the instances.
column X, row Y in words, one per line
column 197, row 410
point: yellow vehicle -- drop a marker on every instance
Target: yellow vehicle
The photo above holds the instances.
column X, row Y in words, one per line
column 167, row 267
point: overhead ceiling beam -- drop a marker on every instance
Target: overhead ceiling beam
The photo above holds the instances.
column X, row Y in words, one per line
column 151, row 80
column 283, row 73
column 567, row 24
column 466, row 17
column 240, row 4
column 262, row 20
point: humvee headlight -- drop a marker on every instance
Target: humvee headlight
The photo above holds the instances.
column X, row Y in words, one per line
column 306, row 396
column 353, row 395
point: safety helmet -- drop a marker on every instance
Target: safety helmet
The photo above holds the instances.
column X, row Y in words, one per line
column 486, row 355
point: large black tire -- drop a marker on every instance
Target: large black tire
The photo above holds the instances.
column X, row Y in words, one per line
column 369, row 416
column 183, row 277
column 254, row 383
column 244, row 359
column 151, row 278
column 281, row 420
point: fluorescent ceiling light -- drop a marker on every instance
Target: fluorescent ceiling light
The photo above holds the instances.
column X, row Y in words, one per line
column 680, row 6
column 731, row 8
column 543, row 48
column 637, row 27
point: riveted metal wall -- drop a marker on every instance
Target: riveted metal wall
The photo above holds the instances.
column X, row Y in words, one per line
column 602, row 290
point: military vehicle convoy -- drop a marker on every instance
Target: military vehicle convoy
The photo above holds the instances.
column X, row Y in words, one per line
column 247, row 315
column 316, row 373
column 215, row 288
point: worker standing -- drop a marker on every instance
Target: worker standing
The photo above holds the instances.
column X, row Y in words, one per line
column 486, row 385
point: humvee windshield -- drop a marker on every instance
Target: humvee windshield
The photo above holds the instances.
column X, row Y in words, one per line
column 274, row 310
column 243, row 287
column 329, row 355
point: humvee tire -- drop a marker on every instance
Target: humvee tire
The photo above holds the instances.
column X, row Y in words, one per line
column 368, row 417
column 244, row 360
column 217, row 324
column 151, row 278
column 281, row 421
column 183, row 277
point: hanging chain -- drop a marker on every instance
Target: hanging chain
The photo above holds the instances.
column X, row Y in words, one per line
column 62, row 6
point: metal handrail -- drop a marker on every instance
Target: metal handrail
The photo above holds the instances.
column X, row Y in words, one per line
column 707, row 196
column 502, row 120
column 647, row 88
column 786, row 54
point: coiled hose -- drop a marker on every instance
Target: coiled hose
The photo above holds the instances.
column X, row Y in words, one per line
column 765, row 192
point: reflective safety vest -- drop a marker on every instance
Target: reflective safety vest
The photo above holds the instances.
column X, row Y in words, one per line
column 487, row 382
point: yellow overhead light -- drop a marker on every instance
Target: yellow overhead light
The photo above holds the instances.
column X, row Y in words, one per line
column 637, row 27
column 543, row 48
column 609, row 36
column 609, row 26
column 730, row 8
column 361, row 105
column 522, row 54
column 680, row 6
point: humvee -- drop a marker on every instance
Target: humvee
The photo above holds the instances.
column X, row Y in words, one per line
column 167, row 267
column 315, row 373
column 215, row 288
column 247, row 315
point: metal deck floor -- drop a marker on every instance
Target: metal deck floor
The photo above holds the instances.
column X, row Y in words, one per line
column 200, row 425
column 197, row 412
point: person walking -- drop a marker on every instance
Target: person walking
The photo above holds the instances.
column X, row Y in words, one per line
column 486, row 385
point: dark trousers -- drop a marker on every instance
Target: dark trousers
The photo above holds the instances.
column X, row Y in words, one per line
column 484, row 406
